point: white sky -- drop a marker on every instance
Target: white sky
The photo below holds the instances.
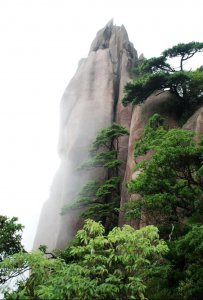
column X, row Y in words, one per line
column 41, row 42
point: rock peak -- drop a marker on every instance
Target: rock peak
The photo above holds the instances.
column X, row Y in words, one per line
column 112, row 36
column 110, row 23
column 91, row 101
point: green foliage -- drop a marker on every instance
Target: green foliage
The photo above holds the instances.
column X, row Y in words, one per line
column 184, row 51
column 10, row 240
column 104, row 159
column 156, row 74
column 171, row 197
column 137, row 91
column 105, row 212
column 10, row 236
column 153, row 135
column 102, row 199
column 93, row 194
column 155, row 64
column 195, row 87
column 169, row 184
column 87, row 195
column 118, row 266
column 177, row 83
column 183, row 279
column 107, row 136
column 185, row 275
column 109, row 186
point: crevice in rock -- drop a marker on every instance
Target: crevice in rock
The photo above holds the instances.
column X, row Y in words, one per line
column 116, row 89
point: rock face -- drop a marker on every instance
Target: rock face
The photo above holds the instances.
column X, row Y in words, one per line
column 195, row 122
column 163, row 104
column 91, row 102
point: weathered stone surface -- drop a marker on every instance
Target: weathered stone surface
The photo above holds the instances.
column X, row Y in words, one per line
column 163, row 104
column 91, row 101
column 195, row 122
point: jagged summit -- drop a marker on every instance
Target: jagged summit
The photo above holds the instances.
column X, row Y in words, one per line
column 103, row 36
column 113, row 36
column 110, row 23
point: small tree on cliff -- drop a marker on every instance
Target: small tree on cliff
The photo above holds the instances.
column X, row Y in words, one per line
column 102, row 199
column 156, row 74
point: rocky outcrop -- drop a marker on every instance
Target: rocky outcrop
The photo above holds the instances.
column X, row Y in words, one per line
column 161, row 103
column 91, row 101
column 195, row 123
column 165, row 105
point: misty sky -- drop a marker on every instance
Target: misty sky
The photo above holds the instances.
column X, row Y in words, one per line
column 41, row 42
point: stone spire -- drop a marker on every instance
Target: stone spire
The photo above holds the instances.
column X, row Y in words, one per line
column 91, row 102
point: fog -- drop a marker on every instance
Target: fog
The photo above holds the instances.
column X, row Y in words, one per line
column 41, row 44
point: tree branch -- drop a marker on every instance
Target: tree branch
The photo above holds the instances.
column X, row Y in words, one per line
column 15, row 274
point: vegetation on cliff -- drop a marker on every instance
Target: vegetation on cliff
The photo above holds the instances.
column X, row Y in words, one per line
column 170, row 183
column 157, row 74
column 171, row 197
column 101, row 199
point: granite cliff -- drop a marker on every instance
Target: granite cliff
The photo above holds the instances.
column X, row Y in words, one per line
column 91, row 102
